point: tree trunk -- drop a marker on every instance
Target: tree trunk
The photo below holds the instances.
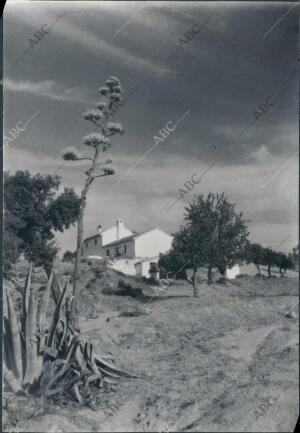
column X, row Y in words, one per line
column 281, row 272
column 259, row 272
column 269, row 271
column 89, row 180
column 78, row 248
column 209, row 275
column 195, row 287
column 223, row 278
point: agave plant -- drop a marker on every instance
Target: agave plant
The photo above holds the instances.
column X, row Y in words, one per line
column 44, row 357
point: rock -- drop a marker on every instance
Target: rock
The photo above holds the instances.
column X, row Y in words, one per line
column 291, row 315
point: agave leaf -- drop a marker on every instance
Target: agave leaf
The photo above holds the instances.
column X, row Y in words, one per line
column 62, row 339
column 48, row 372
column 69, row 354
column 78, row 355
column 13, row 336
column 56, row 288
column 90, row 358
column 93, row 378
column 111, row 370
column 8, row 353
column 56, row 315
column 45, row 303
column 12, row 381
column 109, row 381
column 76, row 393
column 32, row 364
column 26, row 293
column 71, row 309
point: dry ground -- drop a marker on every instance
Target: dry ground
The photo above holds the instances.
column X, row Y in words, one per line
column 210, row 362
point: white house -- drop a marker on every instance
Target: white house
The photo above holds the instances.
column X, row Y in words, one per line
column 120, row 242
column 94, row 245
column 142, row 267
column 231, row 273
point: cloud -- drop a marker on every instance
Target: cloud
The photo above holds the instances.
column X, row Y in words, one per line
column 47, row 89
column 88, row 40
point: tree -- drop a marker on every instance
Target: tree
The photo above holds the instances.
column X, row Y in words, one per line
column 176, row 262
column 214, row 236
column 283, row 262
column 97, row 142
column 33, row 211
column 255, row 255
column 12, row 243
column 68, row 256
column 295, row 256
column 231, row 240
column 218, row 230
column 269, row 259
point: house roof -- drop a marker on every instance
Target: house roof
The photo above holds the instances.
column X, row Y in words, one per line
column 103, row 231
column 92, row 237
column 118, row 241
column 128, row 238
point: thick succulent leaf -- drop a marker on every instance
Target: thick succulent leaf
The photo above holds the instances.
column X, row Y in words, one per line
column 32, row 363
column 12, row 382
column 56, row 315
column 26, row 293
column 13, row 336
column 90, row 358
column 56, row 288
column 111, row 370
column 45, row 303
column 76, row 393
column 62, row 339
column 69, row 355
column 8, row 353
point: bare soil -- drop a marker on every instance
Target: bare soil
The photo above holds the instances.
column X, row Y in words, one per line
column 210, row 364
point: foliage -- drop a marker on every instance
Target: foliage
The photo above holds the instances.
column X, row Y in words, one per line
column 269, row 259
column 33, row 211
column 68, row 256
column 255, row 255
column 44, row 356
column 12, row 242
column 214, row 236
column 260, row 256
column 284, row 262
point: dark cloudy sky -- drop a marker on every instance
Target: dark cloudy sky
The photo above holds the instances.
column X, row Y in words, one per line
column 245, row 53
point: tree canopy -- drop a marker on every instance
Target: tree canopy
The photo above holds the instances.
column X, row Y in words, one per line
column 260, row 256
column 33, row 210
column 214, row 236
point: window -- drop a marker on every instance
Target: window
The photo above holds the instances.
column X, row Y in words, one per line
column 117, row 251
column 107, row 253
column 95, row 241
column 86, row 244
column 125, row 249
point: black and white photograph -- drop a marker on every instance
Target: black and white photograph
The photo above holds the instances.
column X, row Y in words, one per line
column 150, row 216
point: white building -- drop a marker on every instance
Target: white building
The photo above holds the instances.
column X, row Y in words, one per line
column 231, row 273
column 120, row 242
column 142, row 267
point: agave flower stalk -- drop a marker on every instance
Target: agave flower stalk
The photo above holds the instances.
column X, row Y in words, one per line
column 98, row 141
